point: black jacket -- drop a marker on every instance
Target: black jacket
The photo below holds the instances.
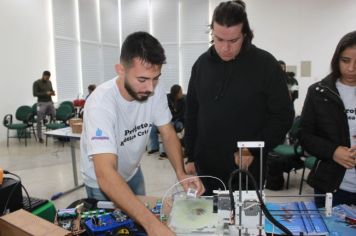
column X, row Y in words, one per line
column 324, row 127
column 245, row 99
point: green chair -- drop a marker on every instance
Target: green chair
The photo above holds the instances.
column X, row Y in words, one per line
column 70, row 104
column 291, row 151
column 24, row 114
column 308, row 163
column 63, row 114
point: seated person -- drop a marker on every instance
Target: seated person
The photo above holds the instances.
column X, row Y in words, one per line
column 176, row 104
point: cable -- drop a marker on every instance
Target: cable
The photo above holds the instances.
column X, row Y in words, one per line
column 193, row 177
column 263, row 206
column 28, row 196
column 13, row 190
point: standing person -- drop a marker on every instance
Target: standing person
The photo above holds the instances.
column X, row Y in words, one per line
column 176, row 105
column 43, row 90
column 117, row 122
column 291, row 81
column 237, row 92
column 328, row 127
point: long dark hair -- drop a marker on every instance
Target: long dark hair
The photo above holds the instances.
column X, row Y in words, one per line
column 233, row 13
column 175, row 89
column 347, row 41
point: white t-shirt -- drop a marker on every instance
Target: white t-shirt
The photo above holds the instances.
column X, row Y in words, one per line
column 348, row 96
column 115, row 125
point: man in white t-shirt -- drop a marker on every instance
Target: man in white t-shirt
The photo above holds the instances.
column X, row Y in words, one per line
column 118, row 117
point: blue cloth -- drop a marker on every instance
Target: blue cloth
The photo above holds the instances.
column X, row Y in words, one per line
column 153, row 143
column 136, row 183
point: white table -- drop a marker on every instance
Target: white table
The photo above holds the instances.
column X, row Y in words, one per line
column 67, row 133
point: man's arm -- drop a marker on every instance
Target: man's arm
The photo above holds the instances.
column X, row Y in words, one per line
column 116, row 188
column 174, row 152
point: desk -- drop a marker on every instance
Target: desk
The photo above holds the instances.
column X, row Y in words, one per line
column 67, row 133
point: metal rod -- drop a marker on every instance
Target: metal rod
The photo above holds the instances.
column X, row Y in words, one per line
column 261, row 178
column 294, row 210
column 74, row 162
column 240, row 193
column 305, row 195
column 301, row 214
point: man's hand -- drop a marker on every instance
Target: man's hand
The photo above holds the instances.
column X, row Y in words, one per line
column 345, row 156
column 247, row 159
column 116, row 188
column 174, row 151
column 193, row 182
column 190, row 168
column 51, row 93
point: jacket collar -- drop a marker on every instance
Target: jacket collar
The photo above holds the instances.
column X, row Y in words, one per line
column 328, row 87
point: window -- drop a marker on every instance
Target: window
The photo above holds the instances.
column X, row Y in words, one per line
column 88, row 35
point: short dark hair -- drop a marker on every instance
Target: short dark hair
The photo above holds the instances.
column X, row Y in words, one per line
column 144, row 46
column 175, row 89
column 347, row 41
column 46, row 73
column 232, row 13
column 91, row 87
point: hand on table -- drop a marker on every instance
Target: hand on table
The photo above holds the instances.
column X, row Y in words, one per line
column 192, row 182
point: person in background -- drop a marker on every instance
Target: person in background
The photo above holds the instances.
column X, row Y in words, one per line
column 291, row 81
column 118, row 118
column 328, row 127
column 91, row 89
column 237, row 92
column 43, row 90
column 176, row 105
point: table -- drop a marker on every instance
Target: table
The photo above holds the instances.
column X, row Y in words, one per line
column 67, row 133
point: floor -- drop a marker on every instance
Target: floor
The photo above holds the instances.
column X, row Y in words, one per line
column 48, row 170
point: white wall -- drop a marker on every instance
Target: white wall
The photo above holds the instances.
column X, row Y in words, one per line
column 24, row 52
column 302, row 30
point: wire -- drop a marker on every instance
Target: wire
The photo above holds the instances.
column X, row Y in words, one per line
column 28, row 196
column 177, row 183
column 263, row 206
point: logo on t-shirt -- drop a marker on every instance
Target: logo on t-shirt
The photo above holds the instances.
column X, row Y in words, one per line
column 137, row 131
column 351, row 113
column 99, row 135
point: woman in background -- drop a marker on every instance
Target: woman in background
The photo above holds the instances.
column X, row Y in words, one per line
column 328, row 127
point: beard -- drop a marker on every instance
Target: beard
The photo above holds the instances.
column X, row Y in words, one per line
column 136, row 95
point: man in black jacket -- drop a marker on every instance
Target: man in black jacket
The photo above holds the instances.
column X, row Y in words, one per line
column 237, row 92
